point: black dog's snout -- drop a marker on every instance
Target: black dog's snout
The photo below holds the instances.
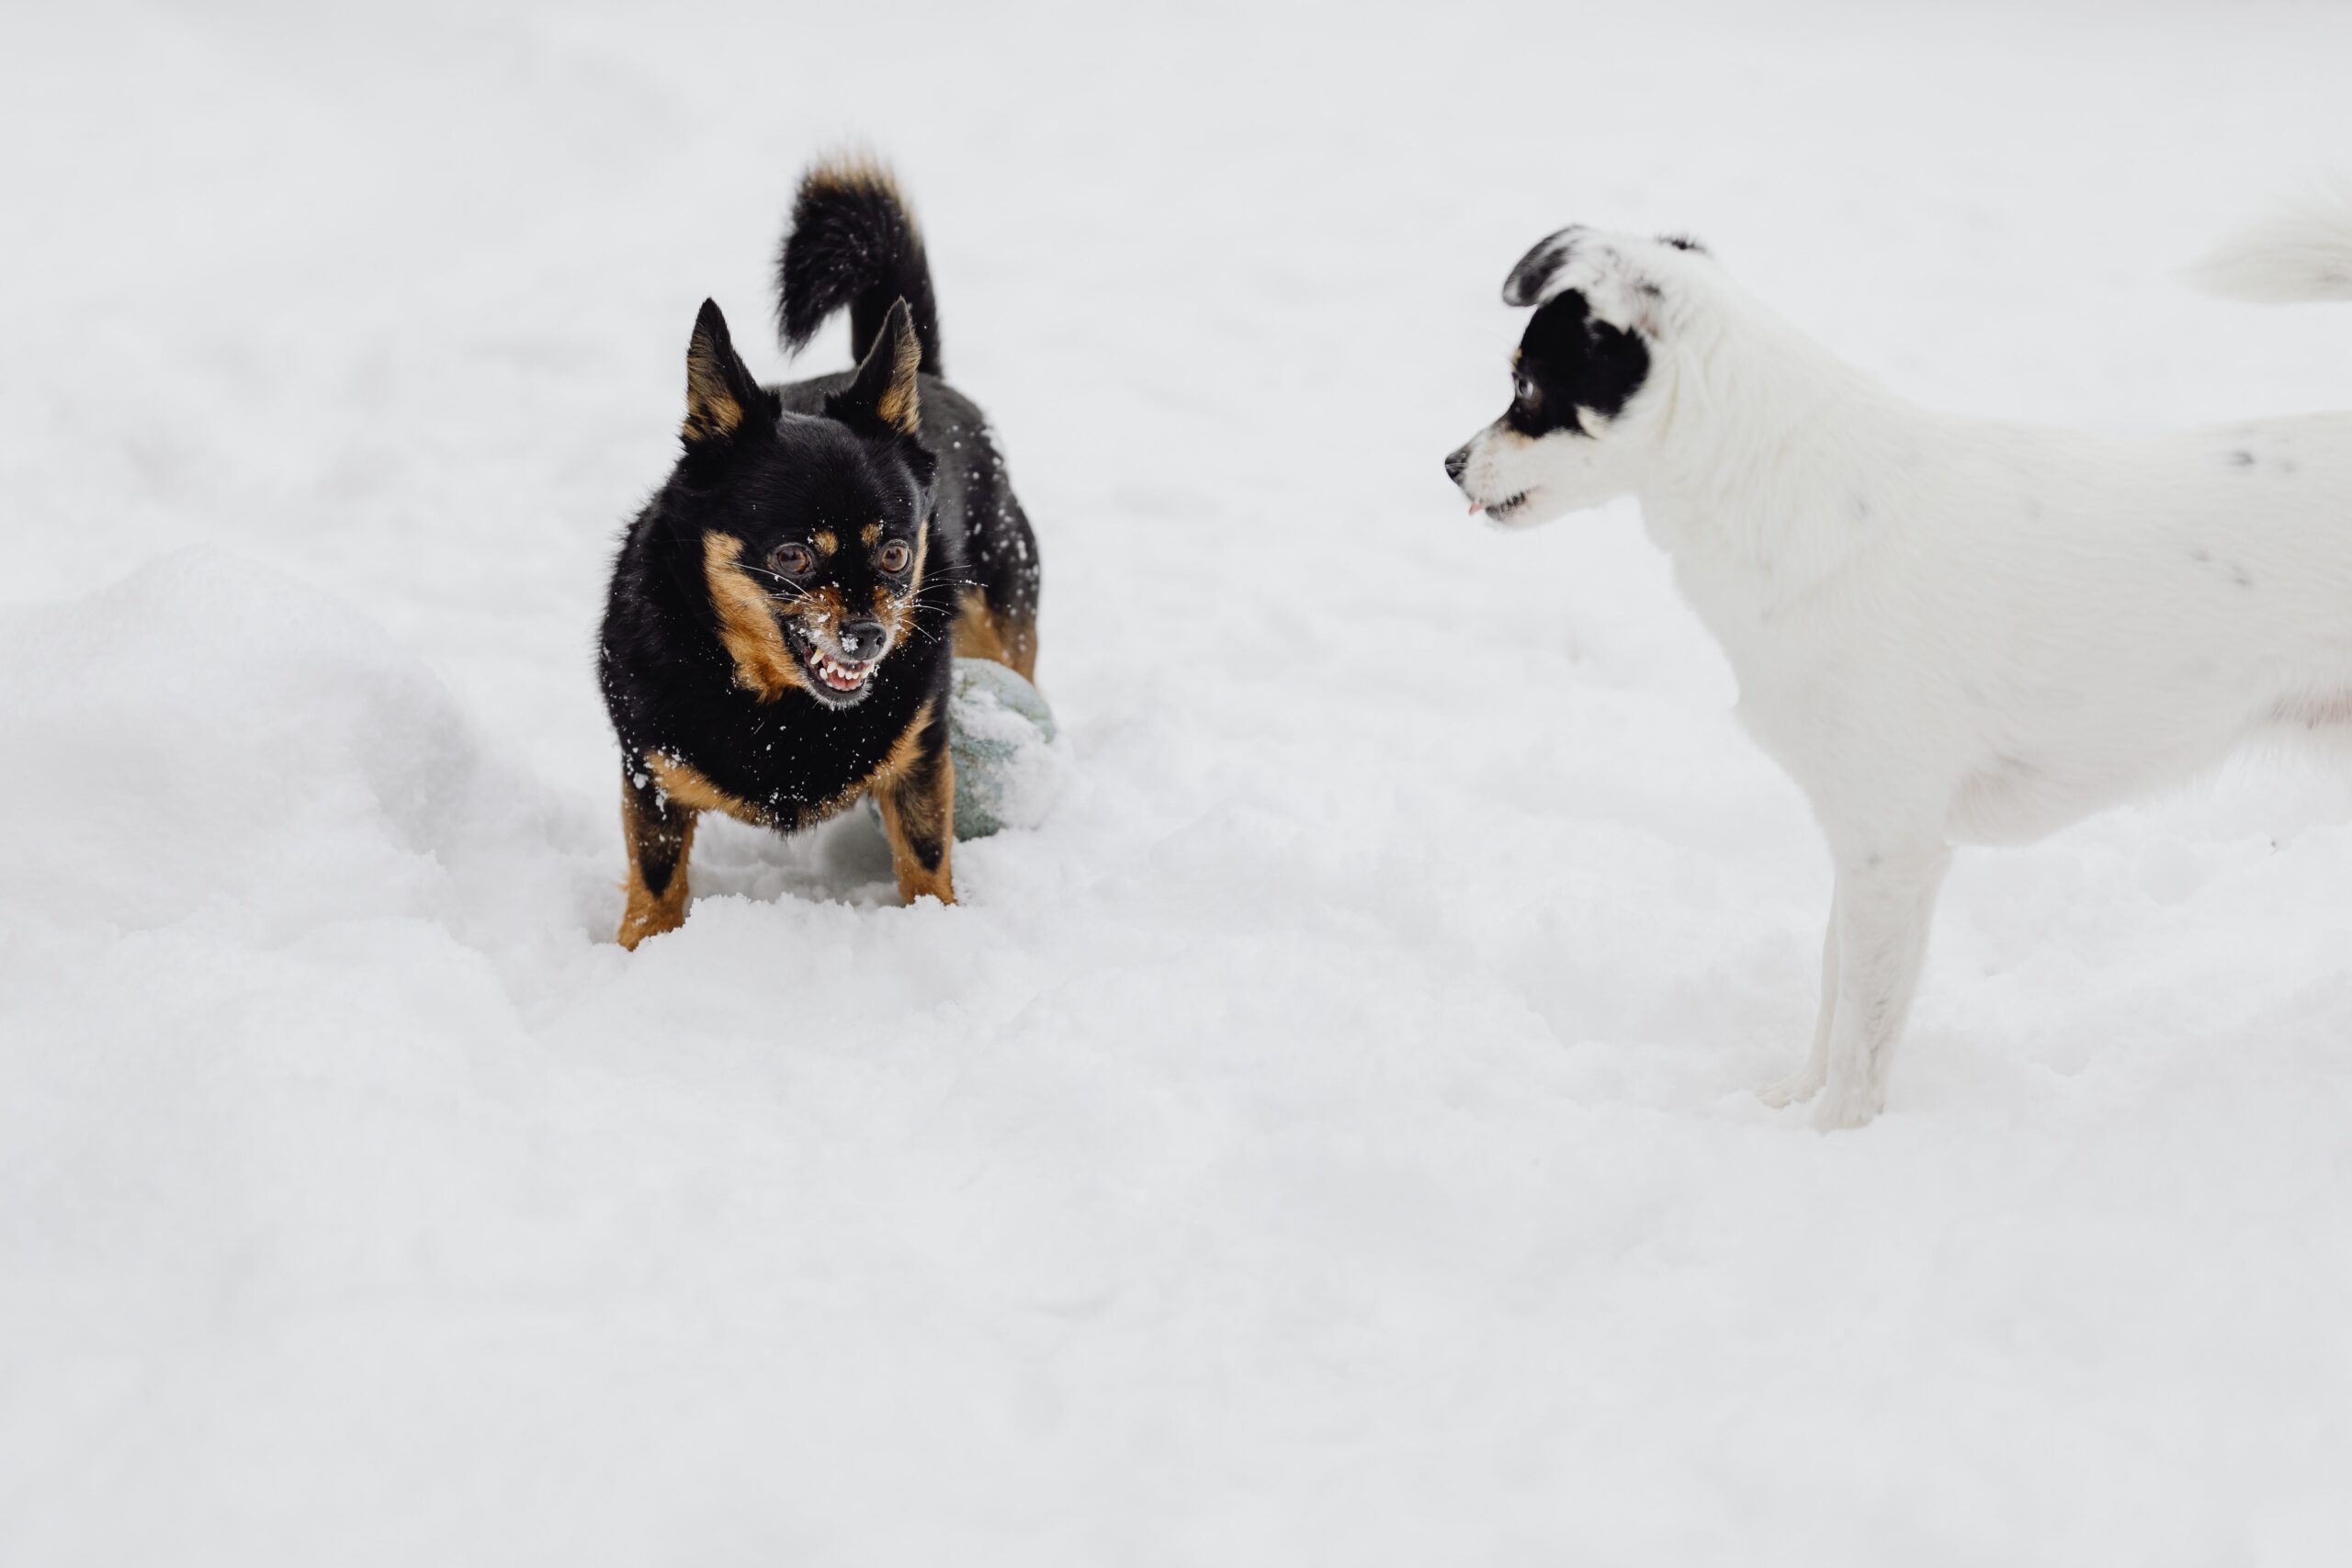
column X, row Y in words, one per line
column 862, row 639
column 1455, row 461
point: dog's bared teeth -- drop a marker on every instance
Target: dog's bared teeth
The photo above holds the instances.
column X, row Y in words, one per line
column 841, row 677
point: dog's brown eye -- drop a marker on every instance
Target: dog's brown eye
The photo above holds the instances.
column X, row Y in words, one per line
column 895, row 556
column 1522, row 388
column 791, row 560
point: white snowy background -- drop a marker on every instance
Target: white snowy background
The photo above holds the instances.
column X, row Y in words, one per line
column 1330, row 1139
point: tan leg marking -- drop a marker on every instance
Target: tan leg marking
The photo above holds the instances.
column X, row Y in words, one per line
column 915, row 788
column 983, row 632
column 658, row 842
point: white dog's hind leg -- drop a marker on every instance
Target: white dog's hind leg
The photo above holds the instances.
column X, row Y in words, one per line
column 1885, row 902
column 1805, row 1082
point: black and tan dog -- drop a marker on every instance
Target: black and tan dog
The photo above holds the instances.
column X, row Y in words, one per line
column 783, row 614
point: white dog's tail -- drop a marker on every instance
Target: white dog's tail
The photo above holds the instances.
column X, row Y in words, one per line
column 2299, row 252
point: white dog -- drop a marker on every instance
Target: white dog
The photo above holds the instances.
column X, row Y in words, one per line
column 1948, row 630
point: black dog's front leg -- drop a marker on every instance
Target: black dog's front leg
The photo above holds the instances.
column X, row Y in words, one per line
column 916, row 794
column 658, row 833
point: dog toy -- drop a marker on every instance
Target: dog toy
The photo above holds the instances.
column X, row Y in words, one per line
column 1000, row 733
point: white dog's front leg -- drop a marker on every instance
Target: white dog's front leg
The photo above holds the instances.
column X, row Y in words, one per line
column 1805, row 1082
column 1886, row 901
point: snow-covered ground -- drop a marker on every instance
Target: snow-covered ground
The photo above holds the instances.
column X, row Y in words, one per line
column 1328, row 1140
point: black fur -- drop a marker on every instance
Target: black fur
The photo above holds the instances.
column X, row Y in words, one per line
column 1525, row 284
column 853, row 243
column 808, row 461
column 659, row 839
column 1571, row 360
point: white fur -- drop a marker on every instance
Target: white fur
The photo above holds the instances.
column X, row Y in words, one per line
column 2303, row 251
column 1955, row 630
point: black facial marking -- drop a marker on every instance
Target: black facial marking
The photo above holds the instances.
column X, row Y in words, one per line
column 801, row 477
column 799, row 491
column 1684, row 243
column 1569, row 360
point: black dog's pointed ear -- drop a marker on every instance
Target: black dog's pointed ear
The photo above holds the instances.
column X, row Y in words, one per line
column 884, row 391
column 1525, row 284
column 720, row 393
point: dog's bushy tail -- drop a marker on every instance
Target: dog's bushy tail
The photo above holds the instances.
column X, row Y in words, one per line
column 2302, row 252
column 854, row 243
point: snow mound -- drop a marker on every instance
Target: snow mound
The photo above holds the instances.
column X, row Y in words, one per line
column 210, row 737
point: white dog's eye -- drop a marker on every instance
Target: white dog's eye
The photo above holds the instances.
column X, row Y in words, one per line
column 1522, row 388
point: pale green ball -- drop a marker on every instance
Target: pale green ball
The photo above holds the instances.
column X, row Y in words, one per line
column 1000, row 733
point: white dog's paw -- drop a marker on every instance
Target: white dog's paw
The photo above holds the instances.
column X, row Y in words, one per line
column 1795, row 1089
column 1844, row 1106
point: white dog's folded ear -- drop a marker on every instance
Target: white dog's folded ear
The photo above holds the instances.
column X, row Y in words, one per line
column 1624, row 277
column 1526, row 283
